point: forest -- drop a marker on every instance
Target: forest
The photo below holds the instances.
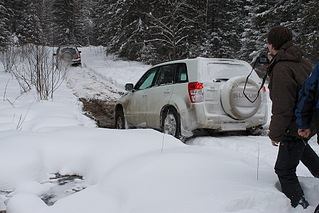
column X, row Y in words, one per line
column 154, row 31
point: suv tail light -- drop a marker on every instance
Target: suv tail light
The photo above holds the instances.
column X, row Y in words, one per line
column 195, row 91
column 79, row 56
column 264, row 89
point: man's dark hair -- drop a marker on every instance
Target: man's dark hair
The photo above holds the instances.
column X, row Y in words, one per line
column 279, row 35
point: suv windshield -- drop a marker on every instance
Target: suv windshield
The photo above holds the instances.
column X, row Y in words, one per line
column 71, row 50
column 226, row 71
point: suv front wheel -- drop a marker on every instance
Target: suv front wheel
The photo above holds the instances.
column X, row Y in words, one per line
column 171, row 123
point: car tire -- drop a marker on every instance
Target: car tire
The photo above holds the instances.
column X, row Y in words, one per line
column 171, row 123
column 119, row 120
column 234, row 103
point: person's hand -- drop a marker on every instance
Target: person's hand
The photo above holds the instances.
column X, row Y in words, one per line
column 305, row 133
column 274, row 143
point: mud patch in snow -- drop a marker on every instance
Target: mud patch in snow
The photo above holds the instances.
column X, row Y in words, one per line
column 101, row 111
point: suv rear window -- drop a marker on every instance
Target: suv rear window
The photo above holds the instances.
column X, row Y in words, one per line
column 225, row 71
column 71, row 50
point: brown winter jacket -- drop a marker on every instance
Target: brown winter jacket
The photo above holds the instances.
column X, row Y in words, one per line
column 287, row 71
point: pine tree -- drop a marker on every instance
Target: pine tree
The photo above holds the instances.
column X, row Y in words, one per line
column 30, row 31
column 4, row 26
column 225, row 25
column 108, row 22
column 64, row 22
column 259, row 21
column 18, row 10
column 151, row 31
column 301, row 16
column 86, row 23
column 160, row 30
column 176, row 29
column 308, row 36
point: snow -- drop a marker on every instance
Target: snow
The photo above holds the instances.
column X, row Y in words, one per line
column 138, row 170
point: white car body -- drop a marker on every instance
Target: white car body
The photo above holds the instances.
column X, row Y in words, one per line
column 204, row 93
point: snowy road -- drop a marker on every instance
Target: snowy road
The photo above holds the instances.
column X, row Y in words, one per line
column 100, row 81
column 87, row 83
column 102, row 77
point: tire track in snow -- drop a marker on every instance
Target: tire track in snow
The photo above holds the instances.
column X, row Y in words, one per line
column 97, row 95
column 87, row 84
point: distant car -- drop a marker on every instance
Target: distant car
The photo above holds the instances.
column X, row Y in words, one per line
column 69, row 54
column 181, row 97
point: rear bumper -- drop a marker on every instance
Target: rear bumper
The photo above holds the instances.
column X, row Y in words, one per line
column 192, row 121
column 76, row 61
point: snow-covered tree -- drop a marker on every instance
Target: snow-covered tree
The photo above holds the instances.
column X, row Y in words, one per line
column 225, row 25
column 162, row 30
column 308, row 32
column 301, row 16
column 107, row 20
column 122, row 26
column 69, row 18
column 176, row 29
column 86, row 22
column 4, row 26
column 159, row 30
column 259, row 21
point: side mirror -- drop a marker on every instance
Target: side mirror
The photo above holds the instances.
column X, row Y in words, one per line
column 129, row 87
column 263, row 59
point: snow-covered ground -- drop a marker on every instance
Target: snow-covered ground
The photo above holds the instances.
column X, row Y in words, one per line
column 124, row 171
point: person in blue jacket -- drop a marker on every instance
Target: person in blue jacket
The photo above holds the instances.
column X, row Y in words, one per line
column 307, row 110
column 308, row 105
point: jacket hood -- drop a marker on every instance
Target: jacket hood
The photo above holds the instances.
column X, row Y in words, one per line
column 289, row 52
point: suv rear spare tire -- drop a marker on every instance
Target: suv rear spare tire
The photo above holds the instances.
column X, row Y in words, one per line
column 234, row 103
column 67, row 56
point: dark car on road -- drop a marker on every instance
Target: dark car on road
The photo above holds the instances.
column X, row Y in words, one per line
column 69, row 54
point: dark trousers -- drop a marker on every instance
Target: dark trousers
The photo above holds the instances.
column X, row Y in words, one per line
column 291, row 151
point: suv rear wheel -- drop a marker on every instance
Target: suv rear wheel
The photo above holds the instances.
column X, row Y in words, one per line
column 171, row 123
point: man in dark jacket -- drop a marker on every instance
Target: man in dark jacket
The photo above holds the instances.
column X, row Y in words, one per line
column 287, row 72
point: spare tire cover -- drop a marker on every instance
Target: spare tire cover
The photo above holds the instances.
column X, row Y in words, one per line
column 234, row 103
column 67, row 56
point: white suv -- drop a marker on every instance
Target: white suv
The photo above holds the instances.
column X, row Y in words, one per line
column 181, row 97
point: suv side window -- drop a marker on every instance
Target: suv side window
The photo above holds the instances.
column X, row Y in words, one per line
column 181, row 73
column 147, row 80
column 166, row 75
